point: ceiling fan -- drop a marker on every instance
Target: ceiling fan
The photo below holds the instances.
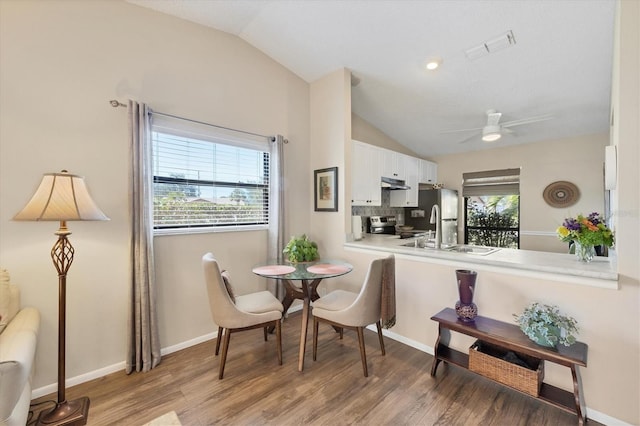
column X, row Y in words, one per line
column 494, row 130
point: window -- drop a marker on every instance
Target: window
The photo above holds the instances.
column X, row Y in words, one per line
column 205, row 177
column 492, row 208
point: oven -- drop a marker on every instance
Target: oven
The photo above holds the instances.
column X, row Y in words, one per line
column 381, row 225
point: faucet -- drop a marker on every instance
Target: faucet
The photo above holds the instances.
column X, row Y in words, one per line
column 435, row 218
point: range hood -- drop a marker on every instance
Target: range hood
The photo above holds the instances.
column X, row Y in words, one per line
column 391, row 183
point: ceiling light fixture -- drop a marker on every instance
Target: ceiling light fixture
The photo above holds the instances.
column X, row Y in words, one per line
column 433, row 63
column 491, row 133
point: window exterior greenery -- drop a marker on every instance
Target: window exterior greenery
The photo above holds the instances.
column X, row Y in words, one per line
column 200, row 183
column 493, row 221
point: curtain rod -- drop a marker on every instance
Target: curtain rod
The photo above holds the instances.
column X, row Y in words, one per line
column 115, row 103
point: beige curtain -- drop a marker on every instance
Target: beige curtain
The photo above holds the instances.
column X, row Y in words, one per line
column 143, row 348
column 276, row 242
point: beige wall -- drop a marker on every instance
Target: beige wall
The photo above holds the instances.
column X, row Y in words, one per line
column 61, row 62
column 363, row 131
column 578, row 160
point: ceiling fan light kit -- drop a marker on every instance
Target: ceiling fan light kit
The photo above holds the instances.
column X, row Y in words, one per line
column 491, row 133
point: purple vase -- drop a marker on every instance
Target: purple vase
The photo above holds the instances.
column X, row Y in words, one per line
column 465, row 308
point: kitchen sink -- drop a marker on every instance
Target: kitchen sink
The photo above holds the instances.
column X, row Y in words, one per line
column 471, row 249
column 461, row 248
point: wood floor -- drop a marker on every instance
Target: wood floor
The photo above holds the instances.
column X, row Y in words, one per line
column 330, row 391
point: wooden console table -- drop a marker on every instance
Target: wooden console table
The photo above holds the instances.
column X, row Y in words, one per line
column 510, row 337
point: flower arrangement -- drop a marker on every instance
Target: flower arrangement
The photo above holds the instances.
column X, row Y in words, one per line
column 588, row 231
column 301, row 249
column 546, row 326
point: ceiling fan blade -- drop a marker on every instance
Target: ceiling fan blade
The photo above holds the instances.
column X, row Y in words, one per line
column 462, row 130
column 508, row 131
column 470, row 138
column 527, row 120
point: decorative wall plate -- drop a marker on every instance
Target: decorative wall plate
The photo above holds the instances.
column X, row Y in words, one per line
column 561, row 194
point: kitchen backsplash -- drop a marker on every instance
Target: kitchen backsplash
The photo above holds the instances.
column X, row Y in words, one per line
column 384, row 210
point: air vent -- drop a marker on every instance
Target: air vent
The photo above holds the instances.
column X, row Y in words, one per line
column 490, row 46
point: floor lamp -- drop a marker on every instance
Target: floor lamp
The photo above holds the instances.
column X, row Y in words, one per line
column 62, row 197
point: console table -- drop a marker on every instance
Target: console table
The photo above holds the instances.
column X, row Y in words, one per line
column 510, row 337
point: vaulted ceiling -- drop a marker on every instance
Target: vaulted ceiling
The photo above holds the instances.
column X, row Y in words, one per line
column 557, row 64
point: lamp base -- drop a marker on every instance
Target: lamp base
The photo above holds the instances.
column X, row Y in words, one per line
column 74, row 413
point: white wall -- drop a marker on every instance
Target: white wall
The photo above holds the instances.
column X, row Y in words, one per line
column 61, row 62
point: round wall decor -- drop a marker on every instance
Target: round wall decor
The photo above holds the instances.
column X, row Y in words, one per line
column 561, row 194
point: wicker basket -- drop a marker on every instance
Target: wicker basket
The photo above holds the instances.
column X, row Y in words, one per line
column 487, row 360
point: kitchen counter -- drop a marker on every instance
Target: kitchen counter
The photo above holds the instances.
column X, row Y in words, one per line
column 601, row 272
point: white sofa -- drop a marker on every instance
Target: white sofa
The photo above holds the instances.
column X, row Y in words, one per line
column 18, row 339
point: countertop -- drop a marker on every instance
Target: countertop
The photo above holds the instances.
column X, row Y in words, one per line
column 601, row 272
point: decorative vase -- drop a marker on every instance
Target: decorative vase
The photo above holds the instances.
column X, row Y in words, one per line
column 465, row 308
column 584, row 253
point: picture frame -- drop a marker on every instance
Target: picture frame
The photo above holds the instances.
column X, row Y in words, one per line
column 325, row 189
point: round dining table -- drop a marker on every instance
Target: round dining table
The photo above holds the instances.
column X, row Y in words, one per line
column 309, row 275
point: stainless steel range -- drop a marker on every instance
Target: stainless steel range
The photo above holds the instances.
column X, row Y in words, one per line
column 382, row 225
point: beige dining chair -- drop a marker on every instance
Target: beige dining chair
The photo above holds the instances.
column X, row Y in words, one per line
column 256, row 310
column 355, row 311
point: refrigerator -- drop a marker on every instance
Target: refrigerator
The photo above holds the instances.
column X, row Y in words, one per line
column 419, row 217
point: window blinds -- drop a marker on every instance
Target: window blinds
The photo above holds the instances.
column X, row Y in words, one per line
column 491, row 182
column 206, row 176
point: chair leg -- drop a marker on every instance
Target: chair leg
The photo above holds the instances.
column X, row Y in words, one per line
column 218, row 340
column 341, row 333
column 279, row 340
column 225, row 348
column 315, row 337
column 380, row 337
column 266, row 330
column 363, row 354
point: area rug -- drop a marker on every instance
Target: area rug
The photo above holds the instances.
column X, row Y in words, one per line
column 168, row 419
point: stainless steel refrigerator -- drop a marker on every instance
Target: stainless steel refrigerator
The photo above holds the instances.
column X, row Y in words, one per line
column 419, row 217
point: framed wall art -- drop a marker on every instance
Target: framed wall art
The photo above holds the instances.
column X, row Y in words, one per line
column 326, row 189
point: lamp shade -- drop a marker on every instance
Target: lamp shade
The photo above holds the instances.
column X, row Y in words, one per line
column 61, row 197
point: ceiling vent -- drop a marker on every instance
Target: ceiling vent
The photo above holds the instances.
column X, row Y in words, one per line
column 490, row 46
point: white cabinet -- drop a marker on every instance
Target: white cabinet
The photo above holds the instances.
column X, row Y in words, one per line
column 428, row 172
column 392, row 164
column 365, row 177
column 411, row 169
column 369, row 163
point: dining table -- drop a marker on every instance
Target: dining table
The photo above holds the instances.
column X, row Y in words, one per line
column 308, row 275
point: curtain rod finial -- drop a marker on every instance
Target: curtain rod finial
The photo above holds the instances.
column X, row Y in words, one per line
column 114, row 103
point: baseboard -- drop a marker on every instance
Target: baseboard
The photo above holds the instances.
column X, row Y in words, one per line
column 96, row 374
column 120, row 366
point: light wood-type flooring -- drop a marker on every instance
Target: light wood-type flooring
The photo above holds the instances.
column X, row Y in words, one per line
column 330, row 391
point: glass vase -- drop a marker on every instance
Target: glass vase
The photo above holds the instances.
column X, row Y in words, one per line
column 584, row 253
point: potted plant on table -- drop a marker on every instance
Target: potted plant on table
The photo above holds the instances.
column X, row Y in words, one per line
column 545, row 325
column 586, row 233
column 301, row 249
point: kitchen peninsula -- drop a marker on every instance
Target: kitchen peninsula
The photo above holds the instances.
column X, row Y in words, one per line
column 601, row 272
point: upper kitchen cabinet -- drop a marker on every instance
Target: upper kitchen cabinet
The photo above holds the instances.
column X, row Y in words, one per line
column 365, row 177
column 411, row 170
column 393, row 165
column 428, row 172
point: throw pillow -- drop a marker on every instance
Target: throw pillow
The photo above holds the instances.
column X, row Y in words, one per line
column 226, row 277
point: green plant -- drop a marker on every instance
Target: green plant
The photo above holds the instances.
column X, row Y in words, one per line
column 546, row 326
column 301, row 249
column 590, row 230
